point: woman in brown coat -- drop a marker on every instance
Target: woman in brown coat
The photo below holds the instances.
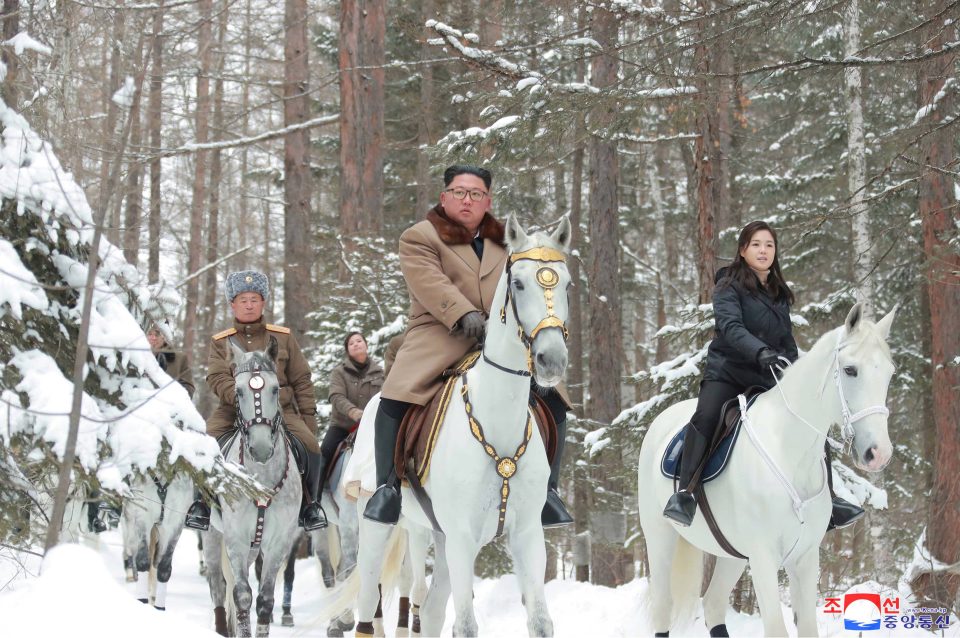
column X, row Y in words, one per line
column 171, row 362
column 352, row 384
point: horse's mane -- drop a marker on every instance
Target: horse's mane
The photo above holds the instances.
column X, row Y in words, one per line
column 866, row 330
column 257, row 357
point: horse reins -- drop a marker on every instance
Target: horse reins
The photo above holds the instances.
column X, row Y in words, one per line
column 256, row 383
column 548, row 279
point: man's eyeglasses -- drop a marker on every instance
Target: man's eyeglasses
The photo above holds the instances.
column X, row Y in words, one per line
column 460, row 193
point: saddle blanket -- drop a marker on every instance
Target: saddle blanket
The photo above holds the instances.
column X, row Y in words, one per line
column 670, row 463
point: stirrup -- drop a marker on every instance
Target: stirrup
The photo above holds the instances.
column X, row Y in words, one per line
column 844, row 514
column 198, row 516
column 313, row 517
column 384, row 505
column 554, row 513
column 681, row 508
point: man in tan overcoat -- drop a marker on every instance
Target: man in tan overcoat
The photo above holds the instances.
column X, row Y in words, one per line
column 247, row 292
column 452, row 262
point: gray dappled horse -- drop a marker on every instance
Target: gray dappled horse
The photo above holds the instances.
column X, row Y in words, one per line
column 245, row 528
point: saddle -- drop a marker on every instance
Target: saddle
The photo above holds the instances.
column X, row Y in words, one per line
column 328, row 479
column 725, row 437
column 421, row 425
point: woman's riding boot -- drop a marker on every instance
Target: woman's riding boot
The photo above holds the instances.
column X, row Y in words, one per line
column 682, row 506
column 312, row 515
column 198, row 516
column 844, row 513
column 384, row 505
column 554, row 513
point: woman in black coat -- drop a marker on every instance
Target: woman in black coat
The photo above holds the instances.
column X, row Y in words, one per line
column 753, row 342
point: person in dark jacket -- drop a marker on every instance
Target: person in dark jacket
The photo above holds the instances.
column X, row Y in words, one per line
column 352, row 384
column 752, row 343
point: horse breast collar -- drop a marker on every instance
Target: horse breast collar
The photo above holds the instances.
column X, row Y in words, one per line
column 506, row 466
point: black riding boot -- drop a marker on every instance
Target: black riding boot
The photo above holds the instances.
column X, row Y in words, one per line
column 198, row 516
column 682, row 506
column 384, row 505
column 312, row 515
column 844, row 513
column 554, row 513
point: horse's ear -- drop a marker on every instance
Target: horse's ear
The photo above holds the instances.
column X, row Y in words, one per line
column 853, row 318
column 236, row 352
column 884, row 324
column 563, row 234
column 515, row 235
column 272, row 349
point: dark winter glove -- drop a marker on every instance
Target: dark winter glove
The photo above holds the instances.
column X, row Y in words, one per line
column 769, row 357
column 473, row 325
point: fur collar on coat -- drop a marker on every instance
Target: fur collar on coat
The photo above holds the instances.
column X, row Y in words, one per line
column 453, row 233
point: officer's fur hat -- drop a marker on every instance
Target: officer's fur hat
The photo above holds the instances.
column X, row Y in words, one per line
column 246, row 281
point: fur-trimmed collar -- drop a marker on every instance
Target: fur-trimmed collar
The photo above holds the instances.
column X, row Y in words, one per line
column 453, row 233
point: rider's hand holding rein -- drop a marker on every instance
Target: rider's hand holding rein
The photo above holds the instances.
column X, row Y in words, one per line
column 473, row 325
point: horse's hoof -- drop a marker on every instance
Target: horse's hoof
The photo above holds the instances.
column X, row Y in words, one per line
column 334, row 632
column 720, row 631
column 143, row 600
column 160, row 608
column 287, row 619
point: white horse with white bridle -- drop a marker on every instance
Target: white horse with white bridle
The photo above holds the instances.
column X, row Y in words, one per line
column 245, row 528
column 489, row 470
column 772, row 501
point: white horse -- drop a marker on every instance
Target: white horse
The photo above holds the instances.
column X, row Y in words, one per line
column 489, row 468
column 771, row 502
column 246, row 528
column 152, row 522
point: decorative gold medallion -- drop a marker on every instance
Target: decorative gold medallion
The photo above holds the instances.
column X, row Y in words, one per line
column 548, row 277
column 506, row 468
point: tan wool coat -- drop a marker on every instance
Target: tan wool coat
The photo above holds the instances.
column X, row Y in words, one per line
column 175, row 364
column 297, row 398
column 352, row 387
column 446, row 280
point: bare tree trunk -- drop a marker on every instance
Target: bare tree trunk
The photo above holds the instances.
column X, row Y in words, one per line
column 863, row 257
column 112, row 83
column 204, row 46
column 705, row 158
column 425, row 117
column 245, row 216
column 210, row 288
column 156, row 111
column 11, row 26
column 362, row 35
column 610, row 563
column 134, row 190
column 298, row 182
column 938, row 214
column 660, row 224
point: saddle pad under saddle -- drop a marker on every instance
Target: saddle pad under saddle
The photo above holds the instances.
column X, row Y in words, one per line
column 420, row 427
column 717, row 462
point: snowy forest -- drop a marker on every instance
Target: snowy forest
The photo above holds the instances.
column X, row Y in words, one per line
column 150, row 148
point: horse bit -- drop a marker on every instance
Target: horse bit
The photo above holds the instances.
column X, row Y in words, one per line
column 256, row 383
column 548, row 279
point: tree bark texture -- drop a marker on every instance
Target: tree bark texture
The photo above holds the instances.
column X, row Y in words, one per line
column 298, row 182
column 610, row 563
column 706, row 158
column 155, row 120
column 938, row 215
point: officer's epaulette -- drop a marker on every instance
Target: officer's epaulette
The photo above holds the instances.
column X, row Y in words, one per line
column 279, row 329
column 225, row 333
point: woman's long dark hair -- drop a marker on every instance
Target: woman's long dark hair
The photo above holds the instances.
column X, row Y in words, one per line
column 740, row 272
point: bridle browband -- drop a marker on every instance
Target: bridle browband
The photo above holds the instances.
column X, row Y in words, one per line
column 548, row 279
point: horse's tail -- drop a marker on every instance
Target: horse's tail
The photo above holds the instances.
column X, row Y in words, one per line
column 686, row 576
column 154, row 559
column 333, row 546
column 231, row 581
column 344, row 594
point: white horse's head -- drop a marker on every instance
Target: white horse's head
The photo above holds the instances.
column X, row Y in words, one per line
column 259, row 416
column 861, row 371
column 537, row 286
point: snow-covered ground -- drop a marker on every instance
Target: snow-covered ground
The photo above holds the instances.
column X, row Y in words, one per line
column 79, row 591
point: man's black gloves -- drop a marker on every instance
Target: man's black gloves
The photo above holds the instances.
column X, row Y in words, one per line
column 473, row 325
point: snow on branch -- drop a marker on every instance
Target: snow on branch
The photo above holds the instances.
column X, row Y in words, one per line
column 23, row 42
